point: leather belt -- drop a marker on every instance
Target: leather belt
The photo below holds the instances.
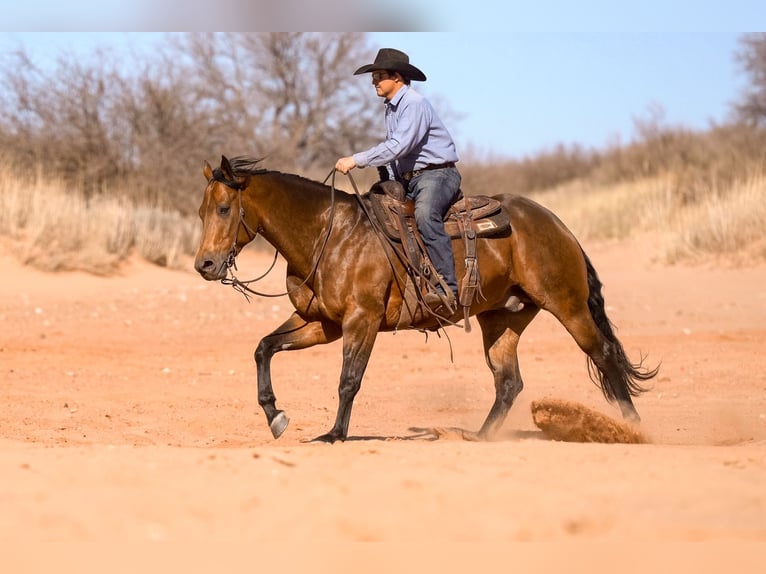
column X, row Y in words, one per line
column 407, row 176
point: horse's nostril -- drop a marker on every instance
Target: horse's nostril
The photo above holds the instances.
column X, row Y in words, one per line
column 204, row 265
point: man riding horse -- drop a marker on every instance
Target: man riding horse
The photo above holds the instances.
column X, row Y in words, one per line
column 418, row 152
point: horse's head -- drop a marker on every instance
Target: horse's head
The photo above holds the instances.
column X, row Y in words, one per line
column 224, row 231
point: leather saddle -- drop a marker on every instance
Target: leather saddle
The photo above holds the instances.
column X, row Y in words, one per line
column 487, row 216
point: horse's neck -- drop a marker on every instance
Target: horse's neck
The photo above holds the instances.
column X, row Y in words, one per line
column 293, row 214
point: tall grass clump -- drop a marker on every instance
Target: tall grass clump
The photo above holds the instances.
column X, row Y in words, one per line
column 605, row 212
column 724, row 223
column 729, row 225
column 55, row 228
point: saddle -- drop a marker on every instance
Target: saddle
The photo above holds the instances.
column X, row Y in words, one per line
column 487, row 216
column 469, row 218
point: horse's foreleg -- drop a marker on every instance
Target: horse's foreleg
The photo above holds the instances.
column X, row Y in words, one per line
column 359, row 333
column 501, row 330
column 295, row 333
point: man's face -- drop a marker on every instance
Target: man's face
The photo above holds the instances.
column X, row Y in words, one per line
column 386, row 84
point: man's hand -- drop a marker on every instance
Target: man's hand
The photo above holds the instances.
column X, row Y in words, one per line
column 345, row 164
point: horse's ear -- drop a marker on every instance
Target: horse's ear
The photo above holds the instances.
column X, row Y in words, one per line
column 226, row 168
column 207, row 171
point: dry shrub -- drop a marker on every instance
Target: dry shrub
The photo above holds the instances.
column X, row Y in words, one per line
column 603, row 212
column 55, row 228
column 726, row 224
column 165, row 237
column 718, row 222
column 572, row 422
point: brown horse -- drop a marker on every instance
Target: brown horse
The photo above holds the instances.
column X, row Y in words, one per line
column 344, row 282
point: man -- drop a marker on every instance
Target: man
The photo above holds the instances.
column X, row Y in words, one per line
column 418, row 152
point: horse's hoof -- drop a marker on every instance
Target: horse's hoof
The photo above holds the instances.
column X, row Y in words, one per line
column 328, row 438
column 279, row 424
column 629, row 413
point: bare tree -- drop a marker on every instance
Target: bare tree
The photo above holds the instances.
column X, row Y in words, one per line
column 63, row 122
column 751, row 108
column 288, row 96
column 144, row 127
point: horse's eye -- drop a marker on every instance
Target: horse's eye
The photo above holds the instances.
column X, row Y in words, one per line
column 224, row 210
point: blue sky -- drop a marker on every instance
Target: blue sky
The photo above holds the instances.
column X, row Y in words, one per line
column 514, row 78
column 521, row 93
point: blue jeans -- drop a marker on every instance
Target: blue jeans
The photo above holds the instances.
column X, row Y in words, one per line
column 433, row 192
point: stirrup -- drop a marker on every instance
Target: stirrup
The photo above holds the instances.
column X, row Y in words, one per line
column 437, row 301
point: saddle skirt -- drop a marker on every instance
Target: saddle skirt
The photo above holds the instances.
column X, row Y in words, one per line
column 487, row 216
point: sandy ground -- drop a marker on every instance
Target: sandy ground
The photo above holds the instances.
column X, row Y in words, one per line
column 130, row 431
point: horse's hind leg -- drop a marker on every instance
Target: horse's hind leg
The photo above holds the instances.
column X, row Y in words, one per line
column 608, row 365
column 501, row 330
column 295, row 333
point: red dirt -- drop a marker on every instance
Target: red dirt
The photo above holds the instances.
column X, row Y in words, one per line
column 572, row 422
column 129, row 417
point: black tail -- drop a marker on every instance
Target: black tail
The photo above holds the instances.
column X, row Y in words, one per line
column 620, row 378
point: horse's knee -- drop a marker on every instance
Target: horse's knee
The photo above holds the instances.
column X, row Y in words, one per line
column 264, row 351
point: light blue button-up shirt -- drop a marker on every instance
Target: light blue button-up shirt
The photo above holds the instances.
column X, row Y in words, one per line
column 415, row 136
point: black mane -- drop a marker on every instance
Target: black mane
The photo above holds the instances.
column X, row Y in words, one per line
column 243, row 167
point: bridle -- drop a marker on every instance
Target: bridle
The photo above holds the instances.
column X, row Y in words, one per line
column 231, row 263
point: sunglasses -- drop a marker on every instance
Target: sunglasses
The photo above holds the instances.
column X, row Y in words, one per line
column 378, row 76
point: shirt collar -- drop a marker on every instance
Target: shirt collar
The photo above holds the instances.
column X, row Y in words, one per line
column 398, row 96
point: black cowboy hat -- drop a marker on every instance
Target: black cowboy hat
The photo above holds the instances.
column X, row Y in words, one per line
column 396, row 61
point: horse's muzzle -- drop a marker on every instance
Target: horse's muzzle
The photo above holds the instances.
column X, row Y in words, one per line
column 211, row 267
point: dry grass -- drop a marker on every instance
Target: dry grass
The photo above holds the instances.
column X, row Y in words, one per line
column 731, row 225
column 716, row 224
column 54, row 228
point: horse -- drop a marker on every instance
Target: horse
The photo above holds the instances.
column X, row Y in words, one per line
column 343, row 282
